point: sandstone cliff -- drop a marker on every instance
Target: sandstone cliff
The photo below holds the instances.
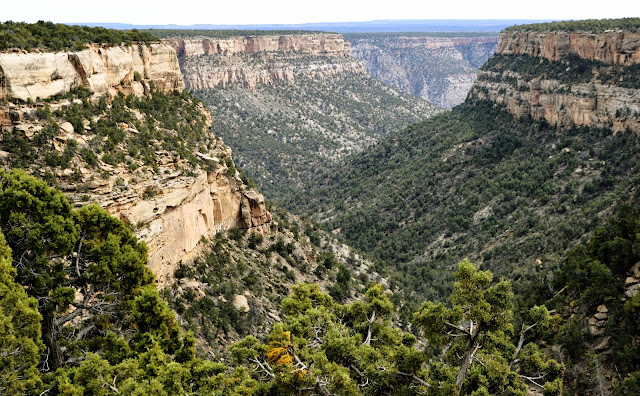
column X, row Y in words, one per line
column 174, row 198
column 261, row 60
column 438, row 69
column 615, row 47
column 316, row 43
column 101, row 69
column 566, row 78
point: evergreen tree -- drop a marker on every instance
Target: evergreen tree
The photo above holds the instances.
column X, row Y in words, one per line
column 20, row 343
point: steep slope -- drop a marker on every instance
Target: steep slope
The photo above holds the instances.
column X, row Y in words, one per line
column 291, row 105
column 476, row 182
column 116, row 129
column 566, row 77
column 438, row 67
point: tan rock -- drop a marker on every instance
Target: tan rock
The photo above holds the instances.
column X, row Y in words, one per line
column 616, row 47
column 66, row 127
column 600, row 315
column 602, row 308
column 241, row 303
column 565, row 105
column 314, row 43
column 102, row 69
column 603, row 345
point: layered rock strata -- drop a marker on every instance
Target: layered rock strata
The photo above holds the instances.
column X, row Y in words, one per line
column 614, row 47
column 171, row 210
column 101, row 69
column 261, row 60
column 316, row 43
column 203, row 73
column 561, row 100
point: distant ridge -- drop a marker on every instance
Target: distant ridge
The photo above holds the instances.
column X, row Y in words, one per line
column 409, row 25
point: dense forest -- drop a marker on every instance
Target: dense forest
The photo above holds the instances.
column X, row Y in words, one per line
column 478, row 183
column 89, row 320
column 49, row 36
column 80, row 315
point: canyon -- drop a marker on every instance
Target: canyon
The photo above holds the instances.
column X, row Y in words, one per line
column 438, row 68
column 291, row 105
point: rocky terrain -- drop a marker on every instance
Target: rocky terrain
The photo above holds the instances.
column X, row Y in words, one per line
column 291, row 105
column 566, row 78
column 260, row 60
column 119, row 131
column 101, row 69
column 438, row 68
column 172, row 201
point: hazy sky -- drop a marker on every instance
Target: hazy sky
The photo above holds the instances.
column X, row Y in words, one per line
column 187, row 12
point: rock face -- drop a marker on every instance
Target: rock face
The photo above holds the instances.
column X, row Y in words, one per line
column 172, row 210
column 615, row 47
column 261, row 60
column 186, row 209
column 565, row 105
column 583, row 101
column 101, row 69
column 438, row 69
column 317, row 43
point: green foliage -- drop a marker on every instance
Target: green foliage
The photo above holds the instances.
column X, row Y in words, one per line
column 58, row 250
column 172, row 122
column 474, row 182
column 586, row 25
column 594, row 274
column 20, row 343
column 479, row 325
column 354, row 349
column 49, row 36
column 572, row 69
column 284, row 133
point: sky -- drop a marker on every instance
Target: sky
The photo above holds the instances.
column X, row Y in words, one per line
column 229, row 12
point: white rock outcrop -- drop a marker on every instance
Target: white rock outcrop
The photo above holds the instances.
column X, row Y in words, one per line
column 101, row 69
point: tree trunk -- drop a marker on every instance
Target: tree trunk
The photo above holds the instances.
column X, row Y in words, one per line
column 466, row 363
column 467, row 359
column 54, row 357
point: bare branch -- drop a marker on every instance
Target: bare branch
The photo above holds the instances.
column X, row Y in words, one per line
column 462, row 329
column 370, row 331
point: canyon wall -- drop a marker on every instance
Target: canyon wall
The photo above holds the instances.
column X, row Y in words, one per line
column 614, row 47
column 315, row 43
column 101, row 69
column 587, row 80
column 261, row 60
column 438, row 69
column 171, row 209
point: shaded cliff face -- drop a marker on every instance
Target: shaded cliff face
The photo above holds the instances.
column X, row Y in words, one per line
column 101, row 69
column 438, row 69
column 566, row 79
